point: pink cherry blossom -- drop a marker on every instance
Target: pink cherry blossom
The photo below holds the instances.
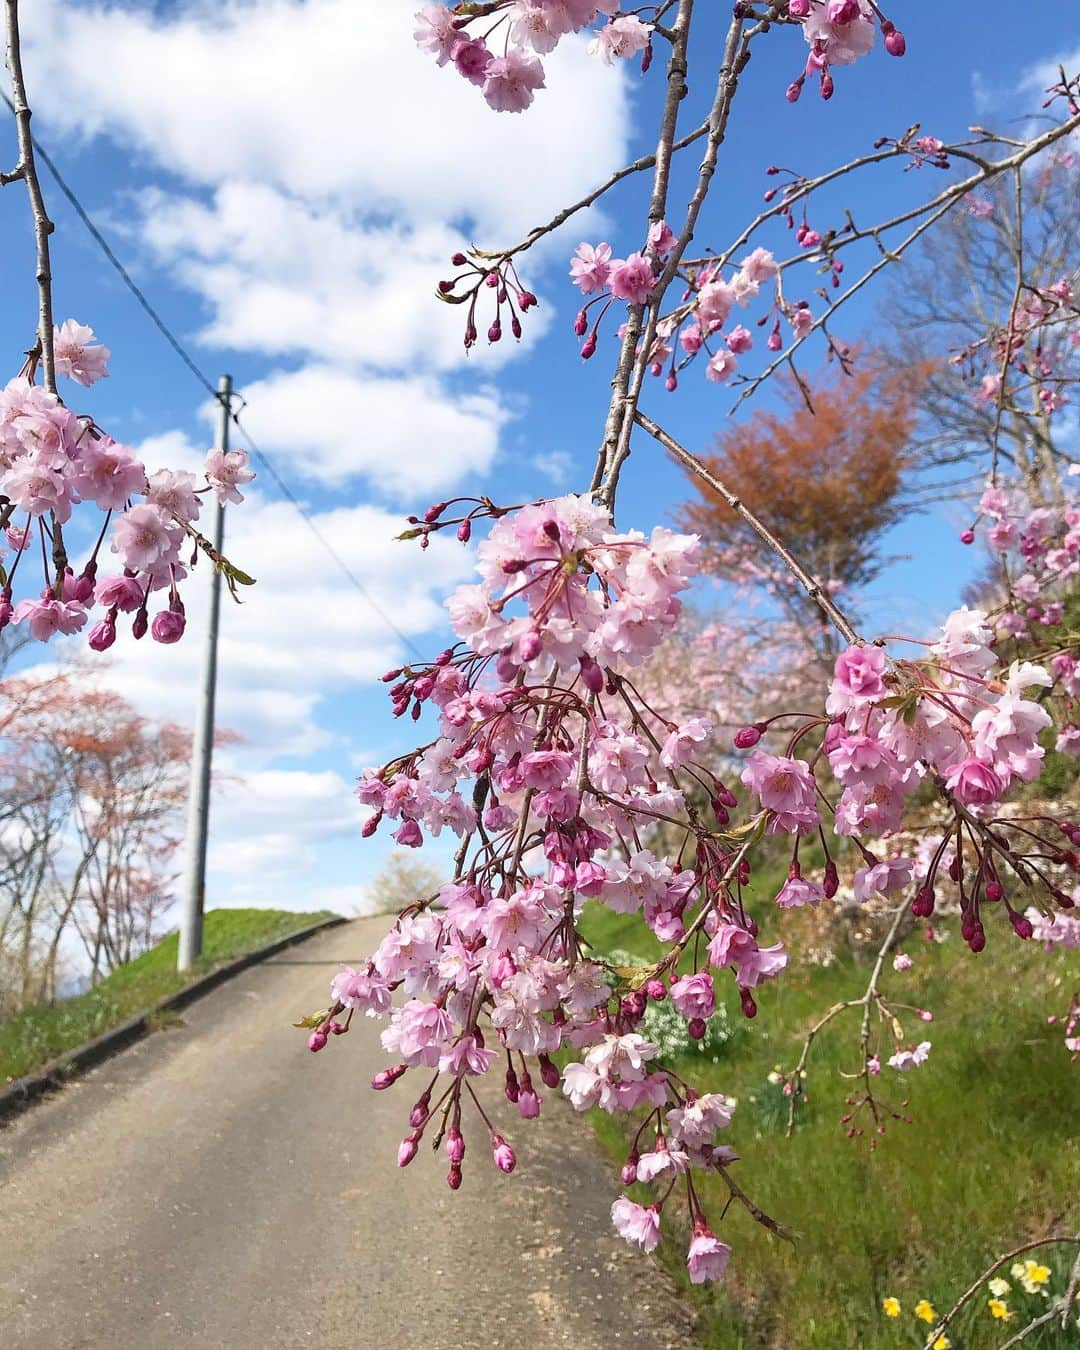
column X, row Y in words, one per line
column 590, row 267
column 511, row 81
column 707, row 1258
column 76, row 354
column 631, row 279
column 636, row 1224
column 226, row 472
column 144, row 536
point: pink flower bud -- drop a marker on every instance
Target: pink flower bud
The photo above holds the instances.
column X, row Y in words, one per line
column 747, row 737
column 581, row 323
column 588, row 347
column 895, row 43
column 530, row 646
column 925, row 1015
column 453, row 1177
column 656, row 990
column 511, row 1088
column 799, row 9
column 168, row 626
column 549, row 1071
column 495, row 331
column 794, row 90
column 697, row 1028
column 316, row 1040
column 923, row 904
column 464, row 531
column 459, row 259
column 102, row 635
column 139, row 625
column 406, row 1150
column 828, row 88
column 628, row 1175
column 592, row 675
column 1021, row 926
column 746, row 1001
column 831, row 882
column 968, row 537
column 528, row 1102
column 455, row 1146
column 994, row 891
column 505, row 1158
column 385, row 1077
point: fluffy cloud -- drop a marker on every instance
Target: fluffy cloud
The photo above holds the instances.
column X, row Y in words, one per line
column 327, row 100
column 407, row 436
column 281, row 276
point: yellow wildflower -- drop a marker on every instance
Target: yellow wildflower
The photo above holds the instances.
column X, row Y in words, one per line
column 1036, row 1274
column 890, row 1307
column 999, row 1287
column 942, row 1343
column 925, row 1311
column 999, row 1309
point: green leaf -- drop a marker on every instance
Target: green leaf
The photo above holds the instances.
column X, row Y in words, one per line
column 312, row 1020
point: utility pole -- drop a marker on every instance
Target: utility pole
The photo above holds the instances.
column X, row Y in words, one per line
column 202, row 749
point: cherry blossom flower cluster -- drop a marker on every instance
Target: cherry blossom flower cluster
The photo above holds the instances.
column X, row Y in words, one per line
column 550, row 768
column 52, row 462
column 955, row 720
column 487, row 277
column 1027, row 361
column 509, row 71
column 698, row 324
column 1038, row 548
column 839, row 32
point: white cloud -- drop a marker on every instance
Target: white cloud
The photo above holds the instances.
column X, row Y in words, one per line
column 283, row 276
column 326, row 99
column 303, row 632
column 407, row 436
column 273, row 821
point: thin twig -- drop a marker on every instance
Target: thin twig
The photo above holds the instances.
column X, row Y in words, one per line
column 970, row 1293
column 27, row 171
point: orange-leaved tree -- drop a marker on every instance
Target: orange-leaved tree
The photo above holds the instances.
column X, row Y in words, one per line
column 830, row 480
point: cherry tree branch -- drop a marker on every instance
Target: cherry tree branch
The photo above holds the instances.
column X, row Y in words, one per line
column 638, row 166
column 26, row 170
column 625, row 398
column 801, row 575
column 933, row 211
column 676, row 91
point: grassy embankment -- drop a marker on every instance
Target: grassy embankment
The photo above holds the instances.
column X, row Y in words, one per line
column 32, row 1038
column 992, row 1158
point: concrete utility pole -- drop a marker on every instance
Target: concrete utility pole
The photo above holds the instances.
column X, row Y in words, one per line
column 202, row 749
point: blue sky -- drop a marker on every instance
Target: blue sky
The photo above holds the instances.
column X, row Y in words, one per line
column 286, row 182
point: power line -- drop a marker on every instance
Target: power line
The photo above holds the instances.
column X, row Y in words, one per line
column 185, row 356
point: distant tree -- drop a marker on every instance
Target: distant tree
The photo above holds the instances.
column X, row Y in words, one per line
column 91, row 793
column 403, row 880
column 829, row 480
column 1002, row 276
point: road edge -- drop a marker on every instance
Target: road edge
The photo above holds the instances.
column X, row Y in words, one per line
column 23, row 1092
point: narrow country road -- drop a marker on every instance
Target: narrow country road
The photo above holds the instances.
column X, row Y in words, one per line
column 219, row 1186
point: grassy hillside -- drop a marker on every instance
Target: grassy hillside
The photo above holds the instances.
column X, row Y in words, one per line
column 991, row 1159
column 32, row 1038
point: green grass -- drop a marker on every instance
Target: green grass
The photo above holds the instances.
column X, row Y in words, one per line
column 990, row 1161
column 32, row 1038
